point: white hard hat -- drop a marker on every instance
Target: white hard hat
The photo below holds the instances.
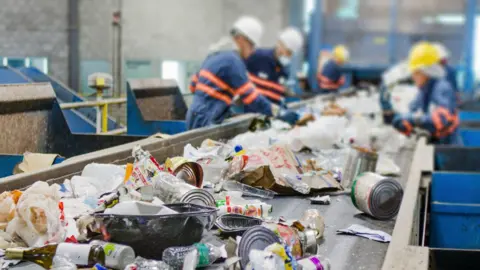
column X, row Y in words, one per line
column 442, row 51
column 292, row 39
column 250, row 27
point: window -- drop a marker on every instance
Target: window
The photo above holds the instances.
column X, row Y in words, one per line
column 176, row 71
column 309, row 7
column 41, row 63
column 348, row 9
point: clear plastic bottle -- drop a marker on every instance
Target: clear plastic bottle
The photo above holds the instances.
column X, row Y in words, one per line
column 315, row 262
column 206, row 254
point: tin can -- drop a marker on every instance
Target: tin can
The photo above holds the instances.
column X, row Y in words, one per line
column 170, row 189
column 257, row 237
column 359, row 160
column 190, row 172
column 376, row 195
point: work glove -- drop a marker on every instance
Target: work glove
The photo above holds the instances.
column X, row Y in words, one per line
column 404, row 124
column 283, row 104
column 385, row 99
column 288, row 116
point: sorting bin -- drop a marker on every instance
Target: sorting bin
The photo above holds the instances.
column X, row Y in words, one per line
column 455, row 199
column 470, row 137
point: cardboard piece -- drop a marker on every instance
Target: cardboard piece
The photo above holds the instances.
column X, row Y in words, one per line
column 266, row 168
column 34, row 162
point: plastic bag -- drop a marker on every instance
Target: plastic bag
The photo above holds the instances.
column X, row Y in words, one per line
column 109, row 176
column 145, row 264
column 37, row 217
column 62, row 263
column 8, row 202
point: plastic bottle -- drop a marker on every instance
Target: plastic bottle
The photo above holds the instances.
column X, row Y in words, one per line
column 314, row 263
column 206, row 254
column 116, row 256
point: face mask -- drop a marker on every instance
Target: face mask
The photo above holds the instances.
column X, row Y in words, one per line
column 284, row 60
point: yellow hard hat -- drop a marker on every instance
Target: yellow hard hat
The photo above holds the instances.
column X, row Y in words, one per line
column 422, row 54
column 340, row 52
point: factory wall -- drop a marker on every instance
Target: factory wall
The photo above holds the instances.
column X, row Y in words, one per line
column 36, row 28
column 158, row 30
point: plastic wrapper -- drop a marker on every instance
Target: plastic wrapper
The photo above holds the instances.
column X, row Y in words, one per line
column 144, row 169
column 297, row 184
column 313, row 220
column 37, row 217
column 386, row 166
column 322, row 133
column 330, row 159
column 265, row 260
column 170, row 189
column 145, row 264
column 212, row 160
column 111, row 175
column 248, row 190
column 62, row 263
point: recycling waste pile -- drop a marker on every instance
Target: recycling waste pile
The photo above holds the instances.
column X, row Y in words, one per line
column 213, row 206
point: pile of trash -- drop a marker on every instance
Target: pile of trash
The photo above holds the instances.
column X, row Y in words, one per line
column 152, row 214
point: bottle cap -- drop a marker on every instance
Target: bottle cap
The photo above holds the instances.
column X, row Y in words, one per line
column 99, row 267
column 238, row 148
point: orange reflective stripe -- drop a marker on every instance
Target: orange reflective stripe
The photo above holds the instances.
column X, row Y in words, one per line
column 265, row 83
column 213, row 93
column 215, row 80
column 269, row 94
column 326, row 83
column 250, row 98
column 407, row 126
column 194, row 78
column 244, row 88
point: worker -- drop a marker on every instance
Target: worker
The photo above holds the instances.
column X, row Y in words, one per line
column 330, row 77
column 223, row 80
column 268, row 67
column 451, row 75
column 435, row 99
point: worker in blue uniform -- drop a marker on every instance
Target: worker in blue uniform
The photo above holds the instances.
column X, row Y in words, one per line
column 223, row 80
column 330, row 77
column 268, row 67
column 434, row 108
column 450, row 75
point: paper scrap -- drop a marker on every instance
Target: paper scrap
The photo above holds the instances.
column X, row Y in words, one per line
column 363, row 231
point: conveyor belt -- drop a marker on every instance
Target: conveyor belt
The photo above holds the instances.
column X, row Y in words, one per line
column 346, row 252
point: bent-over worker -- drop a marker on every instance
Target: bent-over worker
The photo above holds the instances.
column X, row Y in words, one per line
column 330, row 77
column 268, row 67
column 223, row 79
column 435, row 101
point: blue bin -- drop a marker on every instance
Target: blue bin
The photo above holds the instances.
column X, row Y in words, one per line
column 457, row 159
column 8, row 163
column 470, row 137
column 455, row 210
column 469, row 116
